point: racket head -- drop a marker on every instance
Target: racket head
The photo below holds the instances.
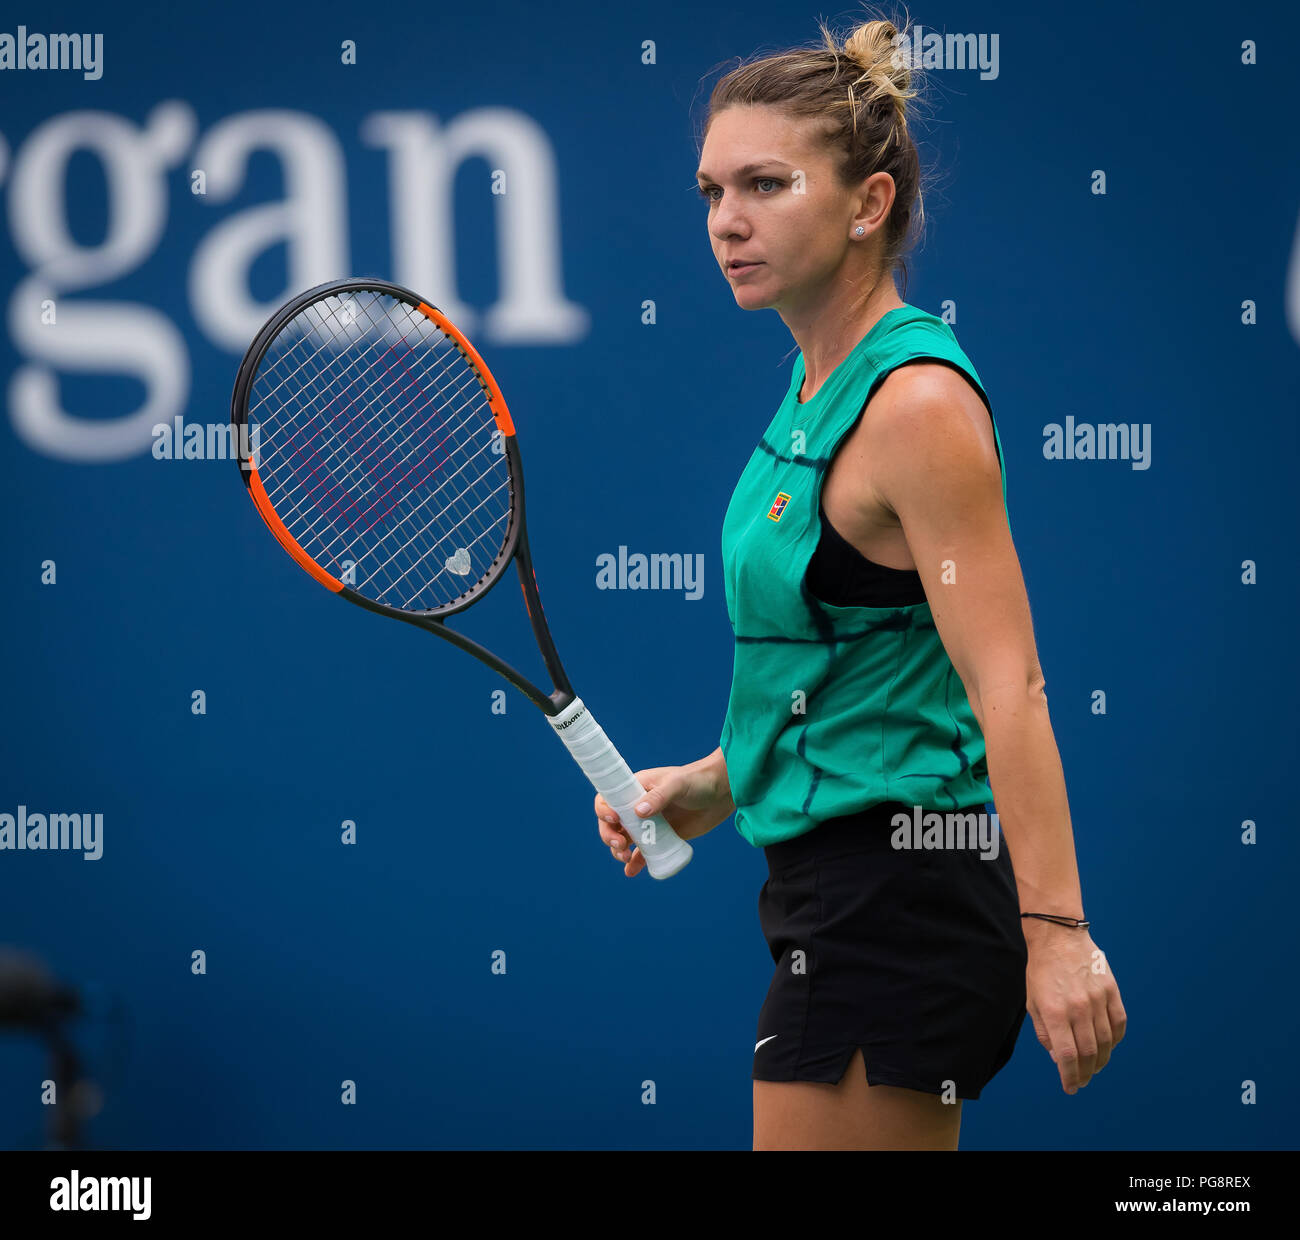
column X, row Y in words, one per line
column 378, row 449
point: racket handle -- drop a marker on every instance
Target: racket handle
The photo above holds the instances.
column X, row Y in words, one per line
column 664, row 852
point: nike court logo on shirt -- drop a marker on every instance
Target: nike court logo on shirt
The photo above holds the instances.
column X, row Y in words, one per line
column 758, row 1044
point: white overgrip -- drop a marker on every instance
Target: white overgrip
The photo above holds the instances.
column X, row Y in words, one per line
column 664, row 852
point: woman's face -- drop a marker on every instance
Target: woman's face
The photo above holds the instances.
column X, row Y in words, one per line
column 775, row 201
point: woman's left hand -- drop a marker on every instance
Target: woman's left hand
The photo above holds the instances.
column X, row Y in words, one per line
column 1073, row 1000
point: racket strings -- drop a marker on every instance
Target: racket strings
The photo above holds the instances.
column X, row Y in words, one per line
column 447, row 530
column 377, row 447
column 279, row 494
column 340, row 513
column 346, row 427
column 389, row 483
column 417, row 537
column 353, row 467
column 481, row 528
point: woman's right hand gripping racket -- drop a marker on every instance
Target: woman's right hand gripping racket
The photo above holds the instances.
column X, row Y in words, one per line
column 376, row 445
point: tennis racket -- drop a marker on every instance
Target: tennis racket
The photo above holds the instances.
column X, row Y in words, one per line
column 376, row 445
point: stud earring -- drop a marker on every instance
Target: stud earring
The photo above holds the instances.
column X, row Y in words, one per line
column 859, row 230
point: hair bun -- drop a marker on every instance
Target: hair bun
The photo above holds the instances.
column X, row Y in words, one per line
column 873, row 47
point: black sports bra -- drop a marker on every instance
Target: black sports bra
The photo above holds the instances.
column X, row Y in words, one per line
column 841, row 575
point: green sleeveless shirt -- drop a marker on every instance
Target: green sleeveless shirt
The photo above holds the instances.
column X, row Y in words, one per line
column 834, row 709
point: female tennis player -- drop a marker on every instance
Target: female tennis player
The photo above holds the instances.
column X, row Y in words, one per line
column 885, row 668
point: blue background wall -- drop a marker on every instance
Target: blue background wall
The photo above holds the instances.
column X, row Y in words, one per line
column 372, row 962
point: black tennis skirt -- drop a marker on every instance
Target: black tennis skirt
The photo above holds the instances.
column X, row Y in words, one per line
column 916, row 956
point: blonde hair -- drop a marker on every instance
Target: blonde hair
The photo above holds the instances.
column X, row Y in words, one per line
column 859, row 88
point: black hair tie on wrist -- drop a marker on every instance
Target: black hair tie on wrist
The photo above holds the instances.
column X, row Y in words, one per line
column 1074, row 922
